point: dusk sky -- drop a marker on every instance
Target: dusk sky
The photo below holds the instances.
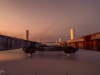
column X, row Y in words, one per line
column 49, row 19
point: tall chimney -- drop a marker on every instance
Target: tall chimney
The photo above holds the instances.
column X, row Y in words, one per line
column 72, row 33
column 27, row 34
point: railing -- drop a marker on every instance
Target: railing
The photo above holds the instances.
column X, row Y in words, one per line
column 8, row 43
column 89, row 42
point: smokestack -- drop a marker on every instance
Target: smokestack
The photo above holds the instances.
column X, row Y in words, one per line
column 39, row 40
column 72, row 33
column 42, row 42
column 60, row 40
column 27, row 34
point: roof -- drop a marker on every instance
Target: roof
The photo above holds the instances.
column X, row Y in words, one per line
column 87, row 37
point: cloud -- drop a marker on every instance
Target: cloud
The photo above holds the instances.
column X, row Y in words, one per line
column 49, row 19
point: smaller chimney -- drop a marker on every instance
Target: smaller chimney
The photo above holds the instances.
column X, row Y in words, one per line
column 42, row 42
column 60, row 40
column 39, row 40
column 27, row 34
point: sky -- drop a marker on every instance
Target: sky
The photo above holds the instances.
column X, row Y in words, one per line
column 49, row 19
